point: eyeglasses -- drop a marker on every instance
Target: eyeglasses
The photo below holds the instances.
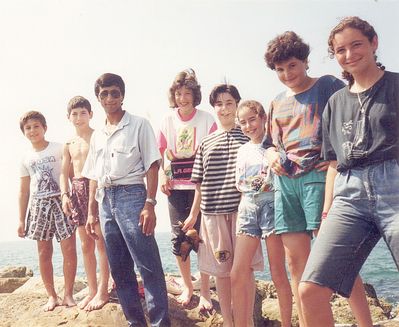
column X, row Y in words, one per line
column 116, row 94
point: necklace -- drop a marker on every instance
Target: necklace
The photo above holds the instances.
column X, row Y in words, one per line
column 361, row 103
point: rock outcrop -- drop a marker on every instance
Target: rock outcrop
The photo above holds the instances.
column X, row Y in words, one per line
column 23, row 308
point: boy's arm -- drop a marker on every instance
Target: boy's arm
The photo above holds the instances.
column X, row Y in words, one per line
column 64, row 180
column 148, row 219
column 23, row 200
column 195, row 209
column 92, row 214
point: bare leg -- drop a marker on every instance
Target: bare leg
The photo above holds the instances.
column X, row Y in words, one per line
column 90, row 263
column 242, row 280
column 297, row 249
column 276, row 255
column 102, row 295
column 184, row 267
column 223, row 287
column 205, row 302
column 68, row 248
column 45, row 249
column 316, row 306
column 359, row 305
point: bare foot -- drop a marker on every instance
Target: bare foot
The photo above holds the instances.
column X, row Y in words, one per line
column 68, row 301
column 97, row 302
column 51, row 304
column 82, row 304
column 185, row 297
column 205, row 303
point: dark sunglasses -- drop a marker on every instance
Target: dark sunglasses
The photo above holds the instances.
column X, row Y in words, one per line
column 114, row 94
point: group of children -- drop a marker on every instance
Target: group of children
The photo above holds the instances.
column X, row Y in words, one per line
column 311, row 166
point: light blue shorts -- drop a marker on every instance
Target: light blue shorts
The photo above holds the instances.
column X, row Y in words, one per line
column 256, row 214
column 365, row 207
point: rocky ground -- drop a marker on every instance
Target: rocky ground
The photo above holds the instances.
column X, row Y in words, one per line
column 22, row 297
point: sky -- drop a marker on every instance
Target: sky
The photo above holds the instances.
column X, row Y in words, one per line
column 52, row 50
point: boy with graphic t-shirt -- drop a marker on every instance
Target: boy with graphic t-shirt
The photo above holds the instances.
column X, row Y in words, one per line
column 40, row 173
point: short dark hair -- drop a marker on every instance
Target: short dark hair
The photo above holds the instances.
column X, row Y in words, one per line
column 78, row 102
column 109, row 79
column 284, row 47
column 188, row 79
column 356, row 23
column 253, row 105
column 36, row 115
column 224, row 88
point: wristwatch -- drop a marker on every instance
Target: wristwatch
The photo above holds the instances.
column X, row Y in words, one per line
column 152, row 201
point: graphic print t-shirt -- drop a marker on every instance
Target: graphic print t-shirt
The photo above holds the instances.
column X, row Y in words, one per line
column 253, row 174
column 44, row 168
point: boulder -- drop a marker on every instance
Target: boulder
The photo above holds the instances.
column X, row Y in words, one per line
column 15, row 272
column 12, row 278
column 9, row 285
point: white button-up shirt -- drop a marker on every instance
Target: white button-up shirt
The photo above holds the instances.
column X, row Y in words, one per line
column 123, row 156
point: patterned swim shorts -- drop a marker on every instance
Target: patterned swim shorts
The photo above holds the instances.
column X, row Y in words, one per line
column 80, row 200
column 46, row 219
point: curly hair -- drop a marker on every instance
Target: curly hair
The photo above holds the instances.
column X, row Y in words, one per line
column 224, row 88
column 35, row 115
column 356, row 23
column 188, row 79
column 284, row 47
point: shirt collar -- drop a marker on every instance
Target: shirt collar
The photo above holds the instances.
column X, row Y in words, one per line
column 122, row 123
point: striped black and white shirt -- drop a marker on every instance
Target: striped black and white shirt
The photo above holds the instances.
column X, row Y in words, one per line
column 214, row 168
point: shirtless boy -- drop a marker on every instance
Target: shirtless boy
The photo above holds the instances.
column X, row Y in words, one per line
column 74, row 203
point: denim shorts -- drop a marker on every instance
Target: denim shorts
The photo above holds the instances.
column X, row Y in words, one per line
column 256, row 214
column 298, row 202
column 365, row 207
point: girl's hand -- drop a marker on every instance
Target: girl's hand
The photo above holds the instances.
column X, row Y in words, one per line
column 189, row 223
column 165, row 184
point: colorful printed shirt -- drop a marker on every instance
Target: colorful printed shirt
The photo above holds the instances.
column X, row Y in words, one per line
column 214, row 168
column 179, row 139
column 44, row 169
column 253, row 174
column 294, row 124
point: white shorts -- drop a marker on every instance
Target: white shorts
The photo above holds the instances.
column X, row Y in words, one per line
column 216, row 252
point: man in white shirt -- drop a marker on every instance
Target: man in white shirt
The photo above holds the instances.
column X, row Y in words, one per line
column 121, row 155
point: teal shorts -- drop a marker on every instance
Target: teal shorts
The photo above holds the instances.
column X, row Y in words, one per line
column 298, row 202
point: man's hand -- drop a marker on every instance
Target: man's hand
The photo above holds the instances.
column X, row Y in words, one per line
column 90, row 227
column 148, row 220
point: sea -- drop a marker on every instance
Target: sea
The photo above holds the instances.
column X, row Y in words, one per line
column 379, row 269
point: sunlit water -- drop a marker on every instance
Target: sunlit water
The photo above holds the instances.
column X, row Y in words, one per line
column 379, row 269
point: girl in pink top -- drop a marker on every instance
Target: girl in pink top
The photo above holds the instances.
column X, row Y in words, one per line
column 180, row 134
